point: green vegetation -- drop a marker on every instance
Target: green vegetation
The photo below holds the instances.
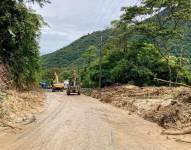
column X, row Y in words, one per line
column 142, row 50
column 48, row 74
column 71, row 56
column 90, row 54
column 19, row 33
column 135, row 51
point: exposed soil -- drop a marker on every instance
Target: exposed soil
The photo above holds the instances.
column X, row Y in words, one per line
column 16, row 107
column 83, row 123
column 168, row 107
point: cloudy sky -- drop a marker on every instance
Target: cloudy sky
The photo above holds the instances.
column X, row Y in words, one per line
column 70, row 19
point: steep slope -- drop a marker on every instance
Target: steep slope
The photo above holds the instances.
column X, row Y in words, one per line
column 71, row 55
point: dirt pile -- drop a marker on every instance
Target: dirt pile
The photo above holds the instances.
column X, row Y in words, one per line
column 169, row 107
column 175, row 115
column 16, row 107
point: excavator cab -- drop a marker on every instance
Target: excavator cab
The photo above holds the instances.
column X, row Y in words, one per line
column 56, row 85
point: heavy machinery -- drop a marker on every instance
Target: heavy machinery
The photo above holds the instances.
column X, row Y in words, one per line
column 56, row 85
column 74, row 85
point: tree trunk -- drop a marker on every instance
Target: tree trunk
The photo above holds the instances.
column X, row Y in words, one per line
column 170, row 73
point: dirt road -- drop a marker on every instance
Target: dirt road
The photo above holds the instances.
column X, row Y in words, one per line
column 83, row 123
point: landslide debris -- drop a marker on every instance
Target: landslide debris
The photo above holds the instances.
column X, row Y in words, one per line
column 168, row 107
column 16, row 107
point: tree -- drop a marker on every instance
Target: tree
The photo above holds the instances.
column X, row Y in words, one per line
column 164, row 27
column 90, row 54
column 19, row 34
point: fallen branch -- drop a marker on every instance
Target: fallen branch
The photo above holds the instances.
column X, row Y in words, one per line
column 183, row 141
column 181, row 132
column 176, row 83
column 11, row 126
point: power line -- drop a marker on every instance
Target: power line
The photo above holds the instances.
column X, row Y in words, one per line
column 104, row 17
column 98, row 16
column 118, row 7
column 114, row 10
column 104, row 7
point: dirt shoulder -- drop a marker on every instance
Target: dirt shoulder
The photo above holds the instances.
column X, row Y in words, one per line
column 78, row 122
column 168, row 107
column 17, row 107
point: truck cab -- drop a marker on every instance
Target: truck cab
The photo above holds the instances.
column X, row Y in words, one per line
column 73, row 87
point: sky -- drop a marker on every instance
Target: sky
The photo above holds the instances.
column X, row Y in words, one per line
column 68, row 20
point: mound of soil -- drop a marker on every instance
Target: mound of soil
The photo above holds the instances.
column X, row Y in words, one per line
column 16, row 106
column 168, row 107
column 175, row 115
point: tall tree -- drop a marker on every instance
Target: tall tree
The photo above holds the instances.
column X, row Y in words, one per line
column 19, row 34
column 89, row 54
column 164, row 27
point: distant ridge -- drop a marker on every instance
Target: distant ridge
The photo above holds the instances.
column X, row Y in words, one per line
column 71, row 55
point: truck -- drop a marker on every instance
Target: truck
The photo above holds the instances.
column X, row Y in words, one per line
column 74, row 85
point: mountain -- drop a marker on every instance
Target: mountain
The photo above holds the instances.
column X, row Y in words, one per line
column 70, row 56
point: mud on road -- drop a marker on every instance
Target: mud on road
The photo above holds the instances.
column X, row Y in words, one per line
column 83, row 123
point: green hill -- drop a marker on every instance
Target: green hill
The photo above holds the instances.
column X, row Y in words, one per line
column 71, row 55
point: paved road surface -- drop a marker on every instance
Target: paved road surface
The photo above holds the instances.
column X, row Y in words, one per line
column 83, row 123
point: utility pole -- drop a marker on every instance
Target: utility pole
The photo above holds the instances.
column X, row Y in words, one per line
column 100, row 63
column 79, row 75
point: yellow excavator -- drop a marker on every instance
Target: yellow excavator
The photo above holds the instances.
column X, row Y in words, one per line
column 56, row 85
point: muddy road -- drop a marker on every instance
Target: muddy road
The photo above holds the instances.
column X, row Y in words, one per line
column 83, row 123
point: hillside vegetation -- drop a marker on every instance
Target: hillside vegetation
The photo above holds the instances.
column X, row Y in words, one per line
column 70, row 56
column 19, row 34
column 135, row 51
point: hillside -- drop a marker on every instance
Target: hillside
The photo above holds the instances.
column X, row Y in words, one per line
column 71, row 55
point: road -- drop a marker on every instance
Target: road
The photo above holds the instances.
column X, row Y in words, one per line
column 83, row 123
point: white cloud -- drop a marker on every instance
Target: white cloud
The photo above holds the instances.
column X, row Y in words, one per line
column 71, row 19
column 52, row 32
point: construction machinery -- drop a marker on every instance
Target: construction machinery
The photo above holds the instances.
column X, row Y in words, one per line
column 74, row 84
column 56, row 85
